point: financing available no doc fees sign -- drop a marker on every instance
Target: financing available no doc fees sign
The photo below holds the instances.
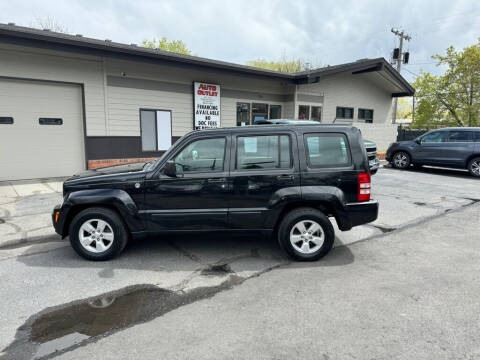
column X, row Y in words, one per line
column 207, row 105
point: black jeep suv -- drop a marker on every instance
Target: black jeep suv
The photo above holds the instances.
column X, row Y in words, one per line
column 448, row 147
column 285, row 180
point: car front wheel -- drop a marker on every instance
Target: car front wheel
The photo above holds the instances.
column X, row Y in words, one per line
column 98, row 234
column 401, row 160
column 306, row 234
column 474, row 167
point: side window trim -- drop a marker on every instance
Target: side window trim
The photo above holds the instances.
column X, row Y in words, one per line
column 234, row 158
column 321, row 167
column 225, row 153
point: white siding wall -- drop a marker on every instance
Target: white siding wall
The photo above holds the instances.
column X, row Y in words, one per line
column 351, row 91
column 40, row 64
column 123, row 103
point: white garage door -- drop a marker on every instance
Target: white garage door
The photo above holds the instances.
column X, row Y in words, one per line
column 46, row 136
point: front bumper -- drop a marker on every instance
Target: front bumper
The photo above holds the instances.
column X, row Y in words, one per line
column 374, row 164
column 58, row 219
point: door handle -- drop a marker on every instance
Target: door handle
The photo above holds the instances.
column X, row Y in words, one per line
column 285, row 177
column 217, row 180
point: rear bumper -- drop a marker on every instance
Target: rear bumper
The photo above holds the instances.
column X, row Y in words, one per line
column 358, row 214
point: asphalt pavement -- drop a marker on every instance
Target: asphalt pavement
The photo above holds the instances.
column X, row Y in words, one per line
column 403, row 287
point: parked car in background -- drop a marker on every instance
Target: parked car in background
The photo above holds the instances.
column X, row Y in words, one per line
column 448, row 147
column 280, row 180
column 370, row 146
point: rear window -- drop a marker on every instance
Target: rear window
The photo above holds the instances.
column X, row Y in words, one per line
column 460, row 136
column 327, row 150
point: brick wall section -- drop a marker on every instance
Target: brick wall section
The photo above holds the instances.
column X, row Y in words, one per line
column 96, row 164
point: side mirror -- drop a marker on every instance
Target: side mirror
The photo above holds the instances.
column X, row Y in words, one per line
column 418, row 141
column 170, row 169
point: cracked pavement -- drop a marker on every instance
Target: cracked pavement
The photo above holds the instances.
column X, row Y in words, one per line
column 382, row 284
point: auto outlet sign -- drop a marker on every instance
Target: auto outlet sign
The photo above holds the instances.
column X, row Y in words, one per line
column 207, row 105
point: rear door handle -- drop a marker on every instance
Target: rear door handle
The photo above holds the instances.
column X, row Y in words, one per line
column 285, row 177
column 217, row 180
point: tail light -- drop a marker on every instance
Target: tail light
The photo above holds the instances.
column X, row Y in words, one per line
column 364, row 187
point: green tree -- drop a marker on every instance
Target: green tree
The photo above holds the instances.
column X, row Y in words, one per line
column 283, row 65
column 454, row 97
column 176, row 46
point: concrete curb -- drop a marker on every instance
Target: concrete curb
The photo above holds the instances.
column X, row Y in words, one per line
column 26, row 240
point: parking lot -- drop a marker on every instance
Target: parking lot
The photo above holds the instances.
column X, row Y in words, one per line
column 403, row 287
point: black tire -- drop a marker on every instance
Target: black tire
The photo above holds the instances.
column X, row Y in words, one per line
column 401, row 160
column 474, row 166
column 373, row 172
column 308, row 215
column 117, row 227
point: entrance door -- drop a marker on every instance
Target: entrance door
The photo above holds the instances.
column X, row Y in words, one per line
column 197, row 199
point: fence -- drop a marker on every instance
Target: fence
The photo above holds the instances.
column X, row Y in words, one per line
column 409, row 134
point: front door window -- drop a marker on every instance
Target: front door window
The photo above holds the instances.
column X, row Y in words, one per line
column 204, row 155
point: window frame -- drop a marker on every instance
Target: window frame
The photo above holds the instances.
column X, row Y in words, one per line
column 328, row 166
column 235, row 152
column 364, row 118
column 156, row 129
column 182, row 147
column 344, row 107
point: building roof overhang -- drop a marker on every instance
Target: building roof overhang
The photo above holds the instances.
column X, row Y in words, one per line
column 19, row 35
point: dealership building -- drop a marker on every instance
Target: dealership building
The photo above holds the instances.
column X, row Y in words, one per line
column 70, row 103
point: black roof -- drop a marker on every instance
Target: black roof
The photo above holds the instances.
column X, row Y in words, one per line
column 11, row 33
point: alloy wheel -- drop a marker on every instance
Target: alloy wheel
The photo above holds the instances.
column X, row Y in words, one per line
column 307, row 236
column 476, row 167
column 96, row 235
column 400, row 160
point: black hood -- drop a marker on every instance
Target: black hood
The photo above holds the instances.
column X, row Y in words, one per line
column 117, row 169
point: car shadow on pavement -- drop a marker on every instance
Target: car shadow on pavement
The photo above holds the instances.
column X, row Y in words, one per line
column 186, row 253
column 457, row 173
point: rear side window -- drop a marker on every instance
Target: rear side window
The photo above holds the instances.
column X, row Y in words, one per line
column 327, row 150
column 477, row 136
column 460, row 136
column 263, row 152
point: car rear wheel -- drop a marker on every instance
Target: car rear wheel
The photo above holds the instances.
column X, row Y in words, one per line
column 98, row 234
column 474, row 166
column 306, row 234
column 401, row 160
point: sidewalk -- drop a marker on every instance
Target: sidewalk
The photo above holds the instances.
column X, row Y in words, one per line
column 25, row 210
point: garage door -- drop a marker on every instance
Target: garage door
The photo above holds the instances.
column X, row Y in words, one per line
column 41, row 129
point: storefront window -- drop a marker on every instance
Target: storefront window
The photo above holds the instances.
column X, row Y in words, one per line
column 243, row 114
column 316, row 113
column 303, row 112
column 275, row 111
column 259, row 112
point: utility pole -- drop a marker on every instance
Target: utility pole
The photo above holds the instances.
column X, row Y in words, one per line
column 399, row 60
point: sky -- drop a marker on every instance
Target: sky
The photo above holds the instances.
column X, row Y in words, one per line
column 319, row 32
